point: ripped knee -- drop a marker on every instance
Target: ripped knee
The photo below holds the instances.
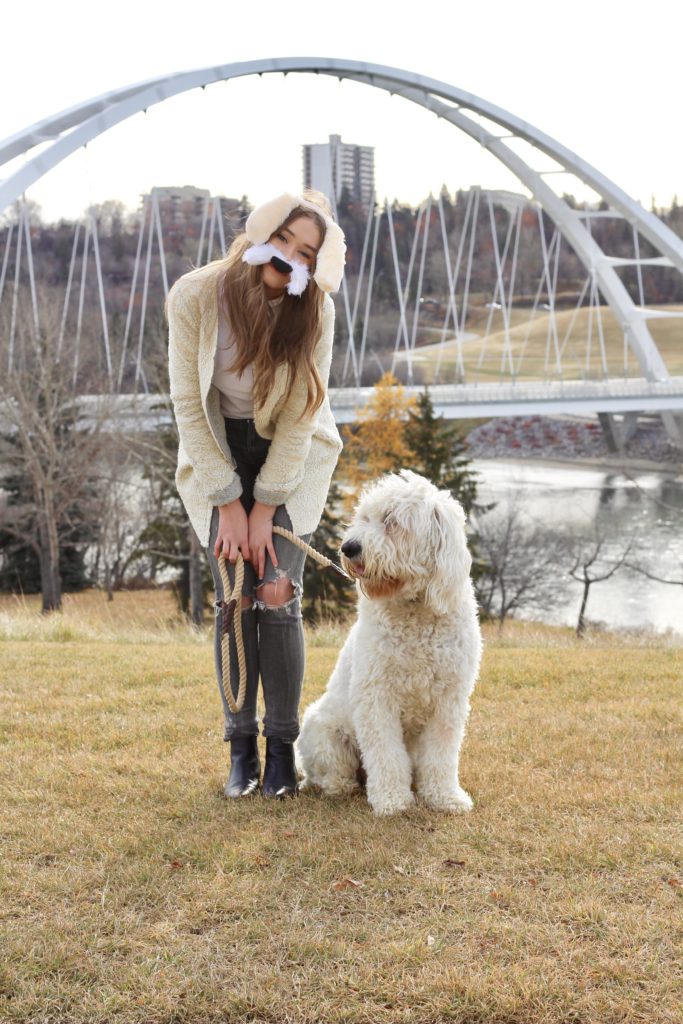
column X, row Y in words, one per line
column 276, row 594
column 282, row 594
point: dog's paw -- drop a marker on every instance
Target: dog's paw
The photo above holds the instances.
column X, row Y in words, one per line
column 454, row 802
column 388, row 804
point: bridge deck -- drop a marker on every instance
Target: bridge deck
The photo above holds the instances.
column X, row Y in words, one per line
column 469, row 401
column 456, row 401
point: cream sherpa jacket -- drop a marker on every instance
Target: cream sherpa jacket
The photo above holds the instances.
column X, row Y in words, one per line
column 302, row 454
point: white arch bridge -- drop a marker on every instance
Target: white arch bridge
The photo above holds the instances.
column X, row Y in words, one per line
column 513, row 343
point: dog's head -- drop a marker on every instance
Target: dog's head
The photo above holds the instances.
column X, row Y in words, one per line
column 407, row 537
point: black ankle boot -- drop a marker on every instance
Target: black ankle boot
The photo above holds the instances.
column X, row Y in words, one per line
column 279, row 777
column 245, row 767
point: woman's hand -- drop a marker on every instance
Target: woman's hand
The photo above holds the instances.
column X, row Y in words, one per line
column 233, row 531
column 261, row 536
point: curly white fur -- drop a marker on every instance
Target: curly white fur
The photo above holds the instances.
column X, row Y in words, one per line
column 398, row 698
column 256, row 255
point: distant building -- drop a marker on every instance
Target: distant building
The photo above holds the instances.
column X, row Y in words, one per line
column 329, row 166
column 187, row 212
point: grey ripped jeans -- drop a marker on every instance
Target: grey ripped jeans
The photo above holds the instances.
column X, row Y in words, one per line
column 273, row 635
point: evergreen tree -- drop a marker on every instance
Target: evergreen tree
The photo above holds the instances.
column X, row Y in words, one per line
column 440, row 452
column 19, row 559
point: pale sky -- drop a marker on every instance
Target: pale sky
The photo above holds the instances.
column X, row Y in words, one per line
column 603, row 78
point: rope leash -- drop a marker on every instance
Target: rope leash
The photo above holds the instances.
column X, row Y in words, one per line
column 232, row 614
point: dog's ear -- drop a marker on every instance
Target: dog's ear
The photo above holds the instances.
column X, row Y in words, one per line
column 452, row 561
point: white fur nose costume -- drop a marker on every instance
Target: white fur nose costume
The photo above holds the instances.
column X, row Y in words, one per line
column 269, row 253
column 267, row 218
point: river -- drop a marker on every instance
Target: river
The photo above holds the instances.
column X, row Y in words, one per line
column 645, row 508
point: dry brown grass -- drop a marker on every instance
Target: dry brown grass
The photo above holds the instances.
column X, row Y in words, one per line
column 132, row 892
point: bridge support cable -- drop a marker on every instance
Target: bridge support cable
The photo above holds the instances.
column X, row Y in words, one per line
column 566, row 342
column 511, row 289
column 359, row 288
column 371, row 279
column 420, row 276
column 499, row 288
column 139, row 372
column 202, row 233
column 551, row 333
column 639, row 269
column 361, row 268
column 81, row 300
column 500, row 296
column 100, row 286
column 67, row 293
column 15, row 287
column 406, row 295
column 31, row 271
column 468, row 274
column 452, row 277
column 220, row 226
column 534, row 306
column 5, row 258
column 402, row 326
column 211, row 232
column 350, row 342
column 160, row 240
column 597, row 301
column 133, row 288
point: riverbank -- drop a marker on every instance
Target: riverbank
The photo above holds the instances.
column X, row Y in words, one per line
column 566, row 439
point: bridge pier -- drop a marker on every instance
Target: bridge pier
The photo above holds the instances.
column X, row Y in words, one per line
column 673, row 422
column 618, row 433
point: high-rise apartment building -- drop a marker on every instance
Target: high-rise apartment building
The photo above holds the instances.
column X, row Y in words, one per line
column 329, row 166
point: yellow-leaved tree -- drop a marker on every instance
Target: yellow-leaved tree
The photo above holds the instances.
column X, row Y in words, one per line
column 375, row 443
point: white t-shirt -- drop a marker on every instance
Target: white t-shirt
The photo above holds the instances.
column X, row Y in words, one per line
column 235, row 389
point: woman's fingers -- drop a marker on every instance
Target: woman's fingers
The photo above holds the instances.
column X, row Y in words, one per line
column 230, row 547
column 271, row 551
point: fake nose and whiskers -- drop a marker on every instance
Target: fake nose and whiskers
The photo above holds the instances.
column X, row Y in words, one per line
column 282, row 266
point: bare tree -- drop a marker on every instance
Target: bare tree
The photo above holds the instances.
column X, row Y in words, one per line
column 156, row 448
column 519, row 557
column 49, row 434
column 594, row 563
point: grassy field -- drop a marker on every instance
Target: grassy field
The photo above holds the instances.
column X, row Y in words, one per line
column 132, row 892
column 532, row 345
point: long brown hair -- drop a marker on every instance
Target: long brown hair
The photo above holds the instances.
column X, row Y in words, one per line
column 267, row 337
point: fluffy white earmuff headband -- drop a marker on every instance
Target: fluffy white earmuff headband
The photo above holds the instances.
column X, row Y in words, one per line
column 329, row 262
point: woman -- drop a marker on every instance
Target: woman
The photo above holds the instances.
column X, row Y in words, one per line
column 250, row 346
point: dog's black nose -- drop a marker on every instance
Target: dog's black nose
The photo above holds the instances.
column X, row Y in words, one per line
column 282, row 265
column 351, row 548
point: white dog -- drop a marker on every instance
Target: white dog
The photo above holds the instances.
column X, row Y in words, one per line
column 398, row 699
